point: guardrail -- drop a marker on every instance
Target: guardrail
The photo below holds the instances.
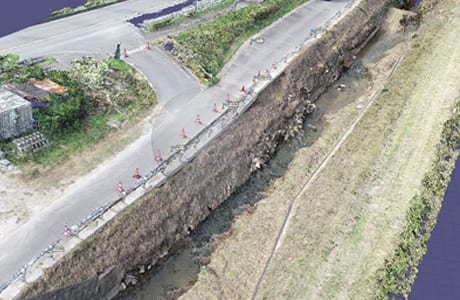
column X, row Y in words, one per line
column 192, row 148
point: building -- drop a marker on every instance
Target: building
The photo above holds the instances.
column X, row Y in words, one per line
column 15, row 115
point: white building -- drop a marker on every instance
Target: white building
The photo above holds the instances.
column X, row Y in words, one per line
column 15, row 115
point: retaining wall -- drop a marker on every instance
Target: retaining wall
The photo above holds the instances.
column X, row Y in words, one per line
column 147, row 230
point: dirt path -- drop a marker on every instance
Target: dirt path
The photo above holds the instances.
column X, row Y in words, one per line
column 348, row 220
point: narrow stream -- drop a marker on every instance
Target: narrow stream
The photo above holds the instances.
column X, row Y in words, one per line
column 172, row 276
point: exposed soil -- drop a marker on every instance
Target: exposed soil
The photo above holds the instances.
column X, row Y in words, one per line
column 148, row 229
column 177, row 272
column 349, row 216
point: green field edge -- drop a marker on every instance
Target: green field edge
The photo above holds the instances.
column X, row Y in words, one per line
column 206, row 48
column 170, row 21
column 400, row 270
column 68, row 11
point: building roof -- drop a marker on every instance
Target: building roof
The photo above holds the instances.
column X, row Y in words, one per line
column 27, row 91
column 48, row 85
column 10, row 101
column 35, row 89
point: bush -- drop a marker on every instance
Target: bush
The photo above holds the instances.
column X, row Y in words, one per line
column 65, row 111
column 62, row 11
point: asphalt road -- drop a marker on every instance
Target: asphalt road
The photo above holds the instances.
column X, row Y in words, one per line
column 181, row 97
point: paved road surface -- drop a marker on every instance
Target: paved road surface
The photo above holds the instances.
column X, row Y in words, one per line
column 182, row 99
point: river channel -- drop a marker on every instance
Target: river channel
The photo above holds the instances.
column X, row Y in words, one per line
column 172, row 276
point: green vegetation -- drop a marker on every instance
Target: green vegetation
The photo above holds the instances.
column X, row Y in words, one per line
column 211, row 45
column 156, row 25
column 11, row 71
column 62, row 12
column 90, row 4
column 96, row 93
column 400, row 270
column 118, row 65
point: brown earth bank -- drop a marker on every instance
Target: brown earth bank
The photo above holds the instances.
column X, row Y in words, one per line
column 351, row 215
column 147, row 230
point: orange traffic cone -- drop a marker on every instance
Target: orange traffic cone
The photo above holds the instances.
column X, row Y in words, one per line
column 243, row 89
column 120, row 188
column 182, row 133
column 66, row 230
column 158, row 156
column 136, row 174
column 198, row 120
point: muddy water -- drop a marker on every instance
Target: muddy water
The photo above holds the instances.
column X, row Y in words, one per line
column 180, row 270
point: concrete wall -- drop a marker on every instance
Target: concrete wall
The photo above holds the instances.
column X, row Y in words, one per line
column 148, row 229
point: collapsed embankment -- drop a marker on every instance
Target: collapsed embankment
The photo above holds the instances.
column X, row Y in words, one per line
column 144, row 232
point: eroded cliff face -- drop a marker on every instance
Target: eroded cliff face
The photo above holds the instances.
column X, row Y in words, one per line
column 144, row 232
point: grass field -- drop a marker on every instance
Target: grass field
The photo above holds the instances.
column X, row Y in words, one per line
column 350, row 216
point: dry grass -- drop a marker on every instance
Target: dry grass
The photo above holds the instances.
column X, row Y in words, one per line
column 150, row 227
column 350, row 218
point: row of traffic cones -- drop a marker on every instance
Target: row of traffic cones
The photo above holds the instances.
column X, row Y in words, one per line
column 148, row 46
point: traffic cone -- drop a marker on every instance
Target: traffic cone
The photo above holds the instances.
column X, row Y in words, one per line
column 136, row 174
column 66, row 229
column 214, row 108
column 125, row 53
column 243, row 89
column 148, row 47
column 182, row 133
column 120, row 188
column 198, row 120
column 158, row 156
